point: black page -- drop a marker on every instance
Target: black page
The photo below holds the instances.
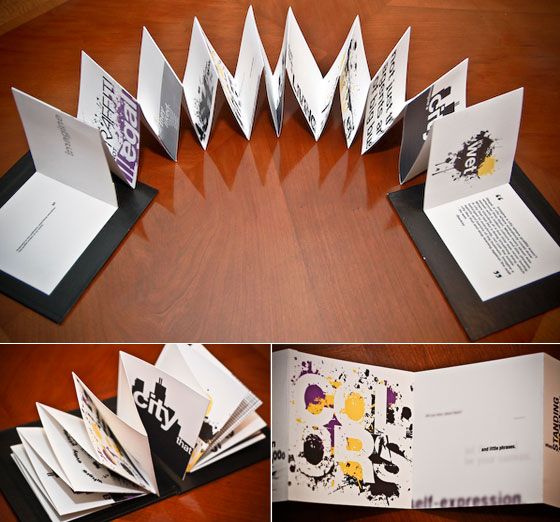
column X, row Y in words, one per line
column 56, row 306
column 481, row 318
column 25, row 505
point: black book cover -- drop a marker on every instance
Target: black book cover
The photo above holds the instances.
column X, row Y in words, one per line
column 481, row 318
column 56, row 306
column 27, row 507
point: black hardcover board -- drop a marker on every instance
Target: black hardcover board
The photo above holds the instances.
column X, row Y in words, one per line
column 25, row 505
column 481, row 318
column 56, row 306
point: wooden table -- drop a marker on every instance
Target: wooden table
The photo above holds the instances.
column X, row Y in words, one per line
column 42, row 373
column 280, row 239
column 415, row 358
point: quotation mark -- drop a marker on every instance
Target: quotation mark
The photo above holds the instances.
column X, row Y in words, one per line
column 499, row 197
column 497, row 274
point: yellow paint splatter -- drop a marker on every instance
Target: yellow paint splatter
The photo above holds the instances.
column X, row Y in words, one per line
column 354, row 406
column 209, row 406
column 353, row 444
column 352, row 469
column 333, row 383
column 298, row 420
column 318, row 404
column 487, row 166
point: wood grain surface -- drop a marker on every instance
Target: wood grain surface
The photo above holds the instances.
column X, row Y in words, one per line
column 415, row 358
column 285, row 239
column 30, row 373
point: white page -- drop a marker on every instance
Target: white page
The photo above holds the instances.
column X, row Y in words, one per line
column 240, row 446
column 473, row 150
column 49, row 222
column 64, row 433
column 497, row 241
column 45, row 227
column 226, row 392
column 275, row 82
column 118, row 446
column 22, row 461
column 172, row 362
column 386, row 98
column 313, row 92
column 241, row 89
column 478, row 434
column 37, row 439
column 446, row 95
column 171, row 412
column 252, row 424
column 200, row 85
column 354, row 83
column 160, row 95
column 63, row 499
column 65, row 148
column 350, row 432
column 106, row 105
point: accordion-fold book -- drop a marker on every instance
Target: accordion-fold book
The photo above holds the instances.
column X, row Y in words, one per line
column 475, row 435
column 179, row 423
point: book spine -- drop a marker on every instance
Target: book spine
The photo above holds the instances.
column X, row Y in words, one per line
column 280, row 431
column 551, row 419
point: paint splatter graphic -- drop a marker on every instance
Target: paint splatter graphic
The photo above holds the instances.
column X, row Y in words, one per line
column 204, row 101
column 353, row 431
column 474, row 160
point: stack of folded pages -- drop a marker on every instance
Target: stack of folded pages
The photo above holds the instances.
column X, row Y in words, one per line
column 182, row 414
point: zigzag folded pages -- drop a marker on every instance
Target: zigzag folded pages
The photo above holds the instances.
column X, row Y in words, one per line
column 185, row 412
column 343, row 433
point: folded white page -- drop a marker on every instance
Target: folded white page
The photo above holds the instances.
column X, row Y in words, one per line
column 386, row 99
column 63, row 499
column 275, row 82
column 171, row 412
column 226, row 392
column 473, row 150
column 226, row 453
column 118, row 446
column 494, row 237
column 252, row 424
column 353, row 83
column 37, row 439
column 49, row 222
column 478, row 434
column 171, row 361
column 160, row 95
column 22, row 461
column 65, row 148
column 200, row 83
column 106, row 105
column 76, row 457
column 314, row 92
column 241, row 90
column 446, row 95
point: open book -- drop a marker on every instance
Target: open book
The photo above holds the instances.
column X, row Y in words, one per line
column 490, row 238
column 475, row 435
column 184, row 413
